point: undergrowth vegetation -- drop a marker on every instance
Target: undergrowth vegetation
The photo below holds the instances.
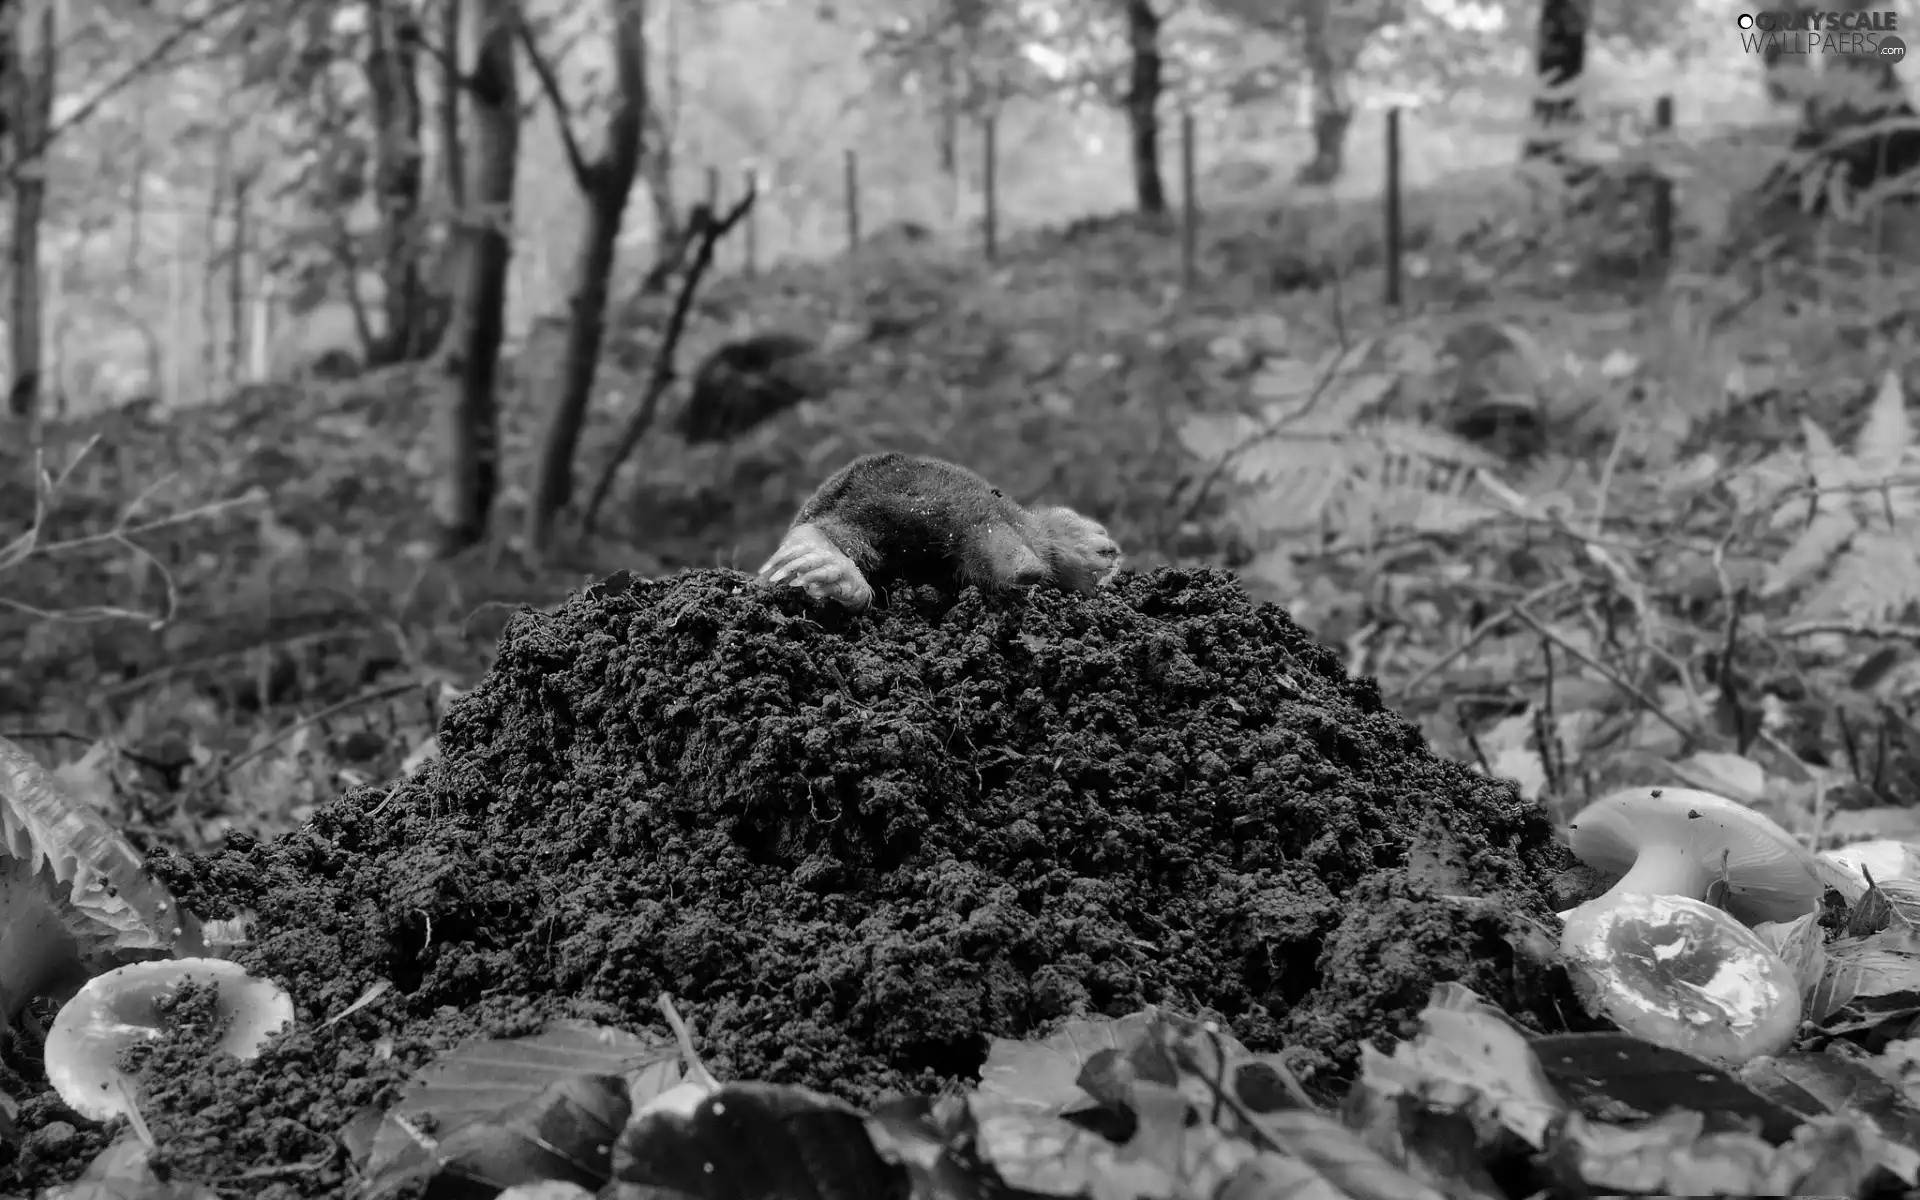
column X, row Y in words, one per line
column 1543, row 417
column 1588, row 516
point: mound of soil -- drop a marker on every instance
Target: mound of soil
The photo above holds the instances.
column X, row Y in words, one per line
column 852, row 848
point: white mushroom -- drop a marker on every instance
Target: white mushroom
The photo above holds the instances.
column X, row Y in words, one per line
column 1885, row 858
column 1678, row 841
column 123, row 1007
column 1680, row 973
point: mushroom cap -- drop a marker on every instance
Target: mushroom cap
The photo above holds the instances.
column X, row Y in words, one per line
column 1680, row 973
column 122, row 1007
column 1886, row 858
column 1770, row 875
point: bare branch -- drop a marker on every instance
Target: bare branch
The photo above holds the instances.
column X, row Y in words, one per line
column 550, row 84
column 441, row 55
column 119, row 83
column 707, row 230
column 627, row 126
column 47, row 488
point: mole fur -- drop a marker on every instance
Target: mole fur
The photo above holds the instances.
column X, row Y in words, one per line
column 903, row 518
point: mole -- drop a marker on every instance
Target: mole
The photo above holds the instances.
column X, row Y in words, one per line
column 912, row 519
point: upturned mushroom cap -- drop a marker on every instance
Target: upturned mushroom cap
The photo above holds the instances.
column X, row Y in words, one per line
column 1682, row 974
column 123, row 1007
column 1677, row 841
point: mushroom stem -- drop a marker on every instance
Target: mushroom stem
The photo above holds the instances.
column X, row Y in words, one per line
column 1679, row 842
column 1663, row 869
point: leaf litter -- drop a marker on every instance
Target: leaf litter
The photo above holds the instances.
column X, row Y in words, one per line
column 941, row 881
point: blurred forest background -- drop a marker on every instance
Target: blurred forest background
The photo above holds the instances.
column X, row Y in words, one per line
column 234, row 188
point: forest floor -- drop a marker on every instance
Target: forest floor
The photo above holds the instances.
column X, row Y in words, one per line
column 1552, row 439
column 281, row 531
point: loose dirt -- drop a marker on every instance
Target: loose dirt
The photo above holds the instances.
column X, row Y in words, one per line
column 852, row 848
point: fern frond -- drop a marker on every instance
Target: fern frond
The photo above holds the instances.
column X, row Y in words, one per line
column 1284, row 383
column 1830, row 467
column 1823, row 537
column 1443, row 513
column 1276, row 458
column 1892, row 507
column 1298, row 501
column 1877, row 577
column 1888, row 434
column 1211, row 437
column 1275, row 568
column 1430, row 443
column 1365, row 512
column 1758, row 486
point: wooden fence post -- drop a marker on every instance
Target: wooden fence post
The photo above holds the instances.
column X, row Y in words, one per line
column 1393, row 207
column 852, row 172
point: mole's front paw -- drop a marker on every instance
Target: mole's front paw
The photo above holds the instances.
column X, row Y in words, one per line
column 1084, row 557
column 1099, row 557
column 808, row 559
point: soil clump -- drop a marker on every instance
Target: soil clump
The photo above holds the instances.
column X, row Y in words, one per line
column 852, row 847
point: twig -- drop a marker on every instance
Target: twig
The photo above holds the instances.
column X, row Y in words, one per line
column 47, row 489
column 113, row 87
column 410, row 34
column 1474, row 637
column 663, row 376
column 68, row 735
column 371, row 697
column 1272, row 431
column 108, row 612
column 45, row 735
column 550, row 84
column 275, row 1172
column 171, row 671
column 1892, row 633
column 1606, row 672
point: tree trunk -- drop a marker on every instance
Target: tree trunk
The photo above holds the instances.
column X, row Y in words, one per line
column 237, row 284
column 1331, row 105
column 1143, row 106
column 946, row 137
column 220, row 188
column 53, row 373
column 453, row 172
column 469, row 411
column 1560, row 58
column 656, row 166
column 399, row 176
column 9, row 82
column 32, row 69
column 452, row 138
column 137, row 204
column 607, row 182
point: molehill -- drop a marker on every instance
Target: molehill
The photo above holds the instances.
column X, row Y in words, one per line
column 852, row 847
